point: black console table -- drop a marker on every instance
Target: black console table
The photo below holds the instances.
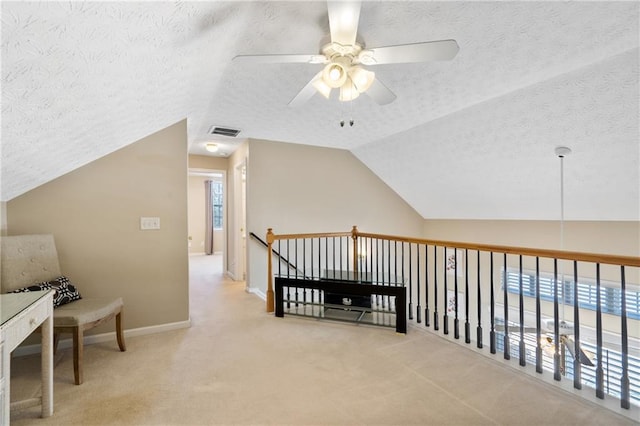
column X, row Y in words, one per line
column 353, row 289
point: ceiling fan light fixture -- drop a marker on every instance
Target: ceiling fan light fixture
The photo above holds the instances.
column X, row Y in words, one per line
column 362, row 79
column 348, row 92
column 211, row 147
column 322, row 87
column 334, row 74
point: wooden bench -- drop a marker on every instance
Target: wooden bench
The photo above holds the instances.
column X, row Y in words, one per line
column 31, row 259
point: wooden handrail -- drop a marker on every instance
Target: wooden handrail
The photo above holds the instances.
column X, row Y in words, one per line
column 526, row 251
column 314, row 235
column 607, row 259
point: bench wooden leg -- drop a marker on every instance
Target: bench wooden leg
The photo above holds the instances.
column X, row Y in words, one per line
column 56, row 339
column 78, row 333
column 119, row 332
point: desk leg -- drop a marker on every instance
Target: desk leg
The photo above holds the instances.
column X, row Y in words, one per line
column 47, row 366
column 4, row 384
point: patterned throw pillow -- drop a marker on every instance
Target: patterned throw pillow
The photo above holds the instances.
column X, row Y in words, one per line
column 65, row 292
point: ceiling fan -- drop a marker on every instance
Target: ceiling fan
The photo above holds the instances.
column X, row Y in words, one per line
column 345, row 59
column 566, row 341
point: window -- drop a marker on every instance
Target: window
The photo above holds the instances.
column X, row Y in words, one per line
column 610, row 296
column 217, row 199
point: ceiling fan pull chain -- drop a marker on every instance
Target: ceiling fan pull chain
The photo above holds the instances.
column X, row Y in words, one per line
column 351, row 113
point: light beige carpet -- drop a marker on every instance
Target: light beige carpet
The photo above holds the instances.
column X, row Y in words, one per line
column 240, row 365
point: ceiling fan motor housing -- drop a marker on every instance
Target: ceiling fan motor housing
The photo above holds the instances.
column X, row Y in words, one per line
column 336, row 50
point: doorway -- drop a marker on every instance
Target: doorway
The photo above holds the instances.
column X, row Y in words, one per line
column 206, row 223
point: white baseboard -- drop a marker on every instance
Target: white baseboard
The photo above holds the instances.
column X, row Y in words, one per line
column 257, row 292
column 106, row 337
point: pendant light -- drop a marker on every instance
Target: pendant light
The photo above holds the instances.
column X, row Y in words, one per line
column 561, row 152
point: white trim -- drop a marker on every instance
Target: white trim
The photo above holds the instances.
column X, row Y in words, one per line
column 213, row 173
column 257, row 292
column 107, row 337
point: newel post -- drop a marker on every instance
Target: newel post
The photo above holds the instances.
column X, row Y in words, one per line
column 270, row 302
column 354, row 236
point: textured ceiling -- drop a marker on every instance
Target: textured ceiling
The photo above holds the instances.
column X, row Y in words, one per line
column 467, row 138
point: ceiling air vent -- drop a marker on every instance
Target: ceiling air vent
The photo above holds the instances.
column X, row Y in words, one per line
column 223, row 131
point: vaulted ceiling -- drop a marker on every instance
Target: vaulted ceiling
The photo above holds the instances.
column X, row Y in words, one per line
column 470, row 138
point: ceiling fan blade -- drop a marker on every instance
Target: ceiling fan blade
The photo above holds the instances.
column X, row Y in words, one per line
column 405, row 53
column 281, row 59
column 585, row 359
column 343, row 21
column 515, row 329
column 306, row 93
column 569, row 344
column 380, row 93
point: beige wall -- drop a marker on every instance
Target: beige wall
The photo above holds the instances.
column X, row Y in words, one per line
column 298, row 188
column 619, row 238
column 94, row 214
column 208, row 162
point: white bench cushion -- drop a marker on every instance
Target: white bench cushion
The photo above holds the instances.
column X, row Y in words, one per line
column 85, row 311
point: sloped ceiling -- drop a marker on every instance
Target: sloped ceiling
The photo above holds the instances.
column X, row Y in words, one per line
column 471, row 138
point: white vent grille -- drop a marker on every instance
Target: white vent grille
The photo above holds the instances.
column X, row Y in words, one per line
column 223, row 131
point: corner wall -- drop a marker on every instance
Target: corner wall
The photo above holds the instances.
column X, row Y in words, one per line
column 306, row 189
column 3, row 217
column 94, row 214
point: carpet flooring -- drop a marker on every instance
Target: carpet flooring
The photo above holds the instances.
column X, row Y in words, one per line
column 237, row 365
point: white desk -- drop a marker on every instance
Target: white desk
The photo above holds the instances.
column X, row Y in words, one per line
column 20, row 315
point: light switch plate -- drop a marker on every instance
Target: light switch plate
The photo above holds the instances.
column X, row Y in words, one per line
column 147, row 223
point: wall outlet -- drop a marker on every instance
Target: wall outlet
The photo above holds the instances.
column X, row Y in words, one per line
column 147, row 223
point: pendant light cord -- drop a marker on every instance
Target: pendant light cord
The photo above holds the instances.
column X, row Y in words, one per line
column 562, row 231
column 561, row 202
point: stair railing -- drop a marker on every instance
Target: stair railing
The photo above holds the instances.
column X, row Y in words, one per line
column 276, row 254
